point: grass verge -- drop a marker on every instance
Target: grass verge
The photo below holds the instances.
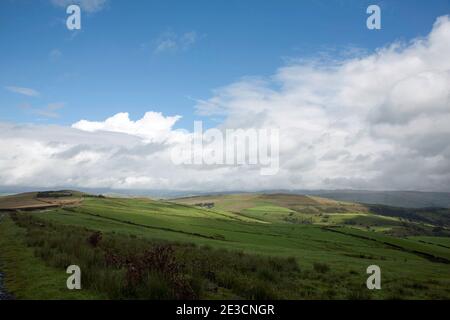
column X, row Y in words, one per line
column 27, row 276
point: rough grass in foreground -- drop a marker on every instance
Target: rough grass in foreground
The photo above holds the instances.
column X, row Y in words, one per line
column 117, row 266
column 26, row 276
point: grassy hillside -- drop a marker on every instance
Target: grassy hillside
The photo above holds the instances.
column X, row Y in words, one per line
column 244, row 246
column 301, row 209
column 39, row 200
column 407, row 199
column 28, row 276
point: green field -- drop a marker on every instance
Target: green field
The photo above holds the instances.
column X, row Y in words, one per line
column 245, row 246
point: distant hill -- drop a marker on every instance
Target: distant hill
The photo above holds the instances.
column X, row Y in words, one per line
column 39, row 200
column 312, row 209
column 406, row 199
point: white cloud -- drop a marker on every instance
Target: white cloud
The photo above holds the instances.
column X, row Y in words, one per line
column 379, row 121
column 381, row 112
column 188, row 39
column 87, row 5
column 55, row 54
column 173, row 42
column 22, row 90
column 153, row 127
column 166, row 45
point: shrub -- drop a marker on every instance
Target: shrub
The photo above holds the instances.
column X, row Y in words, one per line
column 95, row 238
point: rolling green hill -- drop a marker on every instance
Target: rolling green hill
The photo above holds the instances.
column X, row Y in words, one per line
column 408, row 199
column 301, row 209
column 233, row 246
column 39, row 200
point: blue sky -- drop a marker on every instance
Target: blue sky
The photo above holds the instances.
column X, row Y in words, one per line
column 113, row 65
column 354, row 108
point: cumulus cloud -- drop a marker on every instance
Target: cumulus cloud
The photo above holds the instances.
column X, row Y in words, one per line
column 378, row 121
column 153, row 127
